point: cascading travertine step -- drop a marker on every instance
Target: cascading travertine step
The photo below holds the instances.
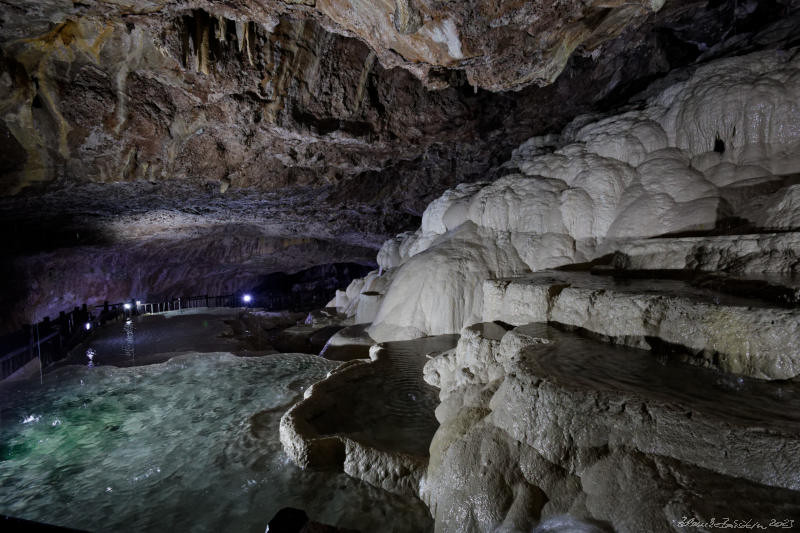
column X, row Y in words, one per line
column 742, row 336
column 373, row 419
column 539, row 423
column 758, row 253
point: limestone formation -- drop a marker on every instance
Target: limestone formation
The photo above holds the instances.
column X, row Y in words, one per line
column 738, row 336
column 656, row 214
column 588, row 317
column 526, row 439
column 700, row 153
column 119, row 115
column 372, row 419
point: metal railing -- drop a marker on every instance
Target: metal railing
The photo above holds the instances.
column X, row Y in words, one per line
column 16, row 359
column 190, row 302
column 51, row 340
column 48, row 340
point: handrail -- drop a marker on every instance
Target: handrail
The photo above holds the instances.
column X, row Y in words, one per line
column 23, row 349
column 69, row 326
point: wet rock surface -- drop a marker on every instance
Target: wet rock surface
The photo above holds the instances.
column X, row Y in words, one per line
column 651, row 184
column 605, row 434
column 738, row 335
column 161, row 146
column 373, row 419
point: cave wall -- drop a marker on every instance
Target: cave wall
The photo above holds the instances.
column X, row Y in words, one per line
column 270, row 98
column 327, row 125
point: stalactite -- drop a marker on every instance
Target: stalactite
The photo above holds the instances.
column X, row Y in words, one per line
column 186, row 42
column 240, row 29
column 205, row 37
column 244, row 35
column 220, row 29
column 362, row 82
column 249, row 30
column 203, row 46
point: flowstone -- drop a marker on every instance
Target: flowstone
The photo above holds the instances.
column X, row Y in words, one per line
column 605, row 435
column 715, row 151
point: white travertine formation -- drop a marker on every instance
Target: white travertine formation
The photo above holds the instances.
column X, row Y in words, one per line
column 382, row 441
column 777, row 253
column 536, row 423
column 758, row 342
column 437, row 290
column 474, row 359
column 782, row 210
column 676, row 165
column 520, row 442
column 361, row 300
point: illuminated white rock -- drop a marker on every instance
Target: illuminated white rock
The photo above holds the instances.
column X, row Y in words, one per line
column 720, row 144
column 520, row 441
column 439, row 291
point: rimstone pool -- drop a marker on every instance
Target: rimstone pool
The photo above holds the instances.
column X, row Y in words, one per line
column 189, row 444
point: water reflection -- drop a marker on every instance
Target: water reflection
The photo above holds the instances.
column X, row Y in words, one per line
column 572, row 360
column 128, row 347
column 195, row 445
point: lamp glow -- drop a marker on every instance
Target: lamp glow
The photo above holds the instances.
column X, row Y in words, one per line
column 88, row 326
column 247, row 298
column 126, row 306
column 138, row 302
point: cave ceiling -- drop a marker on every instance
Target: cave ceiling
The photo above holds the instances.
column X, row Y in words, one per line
column 316, row 129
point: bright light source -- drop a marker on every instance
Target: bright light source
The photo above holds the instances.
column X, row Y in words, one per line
column 126, row 306
column 138, row 302
column 247, row 298
column 88, row 326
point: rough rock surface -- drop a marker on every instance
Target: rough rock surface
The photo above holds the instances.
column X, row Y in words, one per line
column 600, row 434
column 159, row 146
column 716, row 150
column 165, row 115
column 373, row 419
column 736, row 335
column 739, row 254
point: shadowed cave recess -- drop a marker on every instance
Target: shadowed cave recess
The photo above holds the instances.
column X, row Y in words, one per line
column 408, row 265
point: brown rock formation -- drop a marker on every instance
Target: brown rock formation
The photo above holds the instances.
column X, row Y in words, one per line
column 169, row 123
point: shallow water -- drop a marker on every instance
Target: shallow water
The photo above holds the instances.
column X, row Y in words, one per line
column 397, row 409
column 574, row 360
column 409, row 401
column 675, row 288
column 188, row 445
column 148, row 339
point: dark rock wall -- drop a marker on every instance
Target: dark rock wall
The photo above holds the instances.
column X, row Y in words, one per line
column 134, row 136
column 308, row 289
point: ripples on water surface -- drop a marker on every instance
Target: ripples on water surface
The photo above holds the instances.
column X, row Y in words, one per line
column 573, row 360
column 390, row 407
column 408, row 422
column 188, row 445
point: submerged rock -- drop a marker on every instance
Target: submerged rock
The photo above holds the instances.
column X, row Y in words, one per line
column 372, row 419
column 290, row 520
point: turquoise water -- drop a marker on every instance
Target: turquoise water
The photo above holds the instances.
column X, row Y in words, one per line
column 189, row 445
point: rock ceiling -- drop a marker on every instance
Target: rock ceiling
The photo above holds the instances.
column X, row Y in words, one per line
column 143, row 130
